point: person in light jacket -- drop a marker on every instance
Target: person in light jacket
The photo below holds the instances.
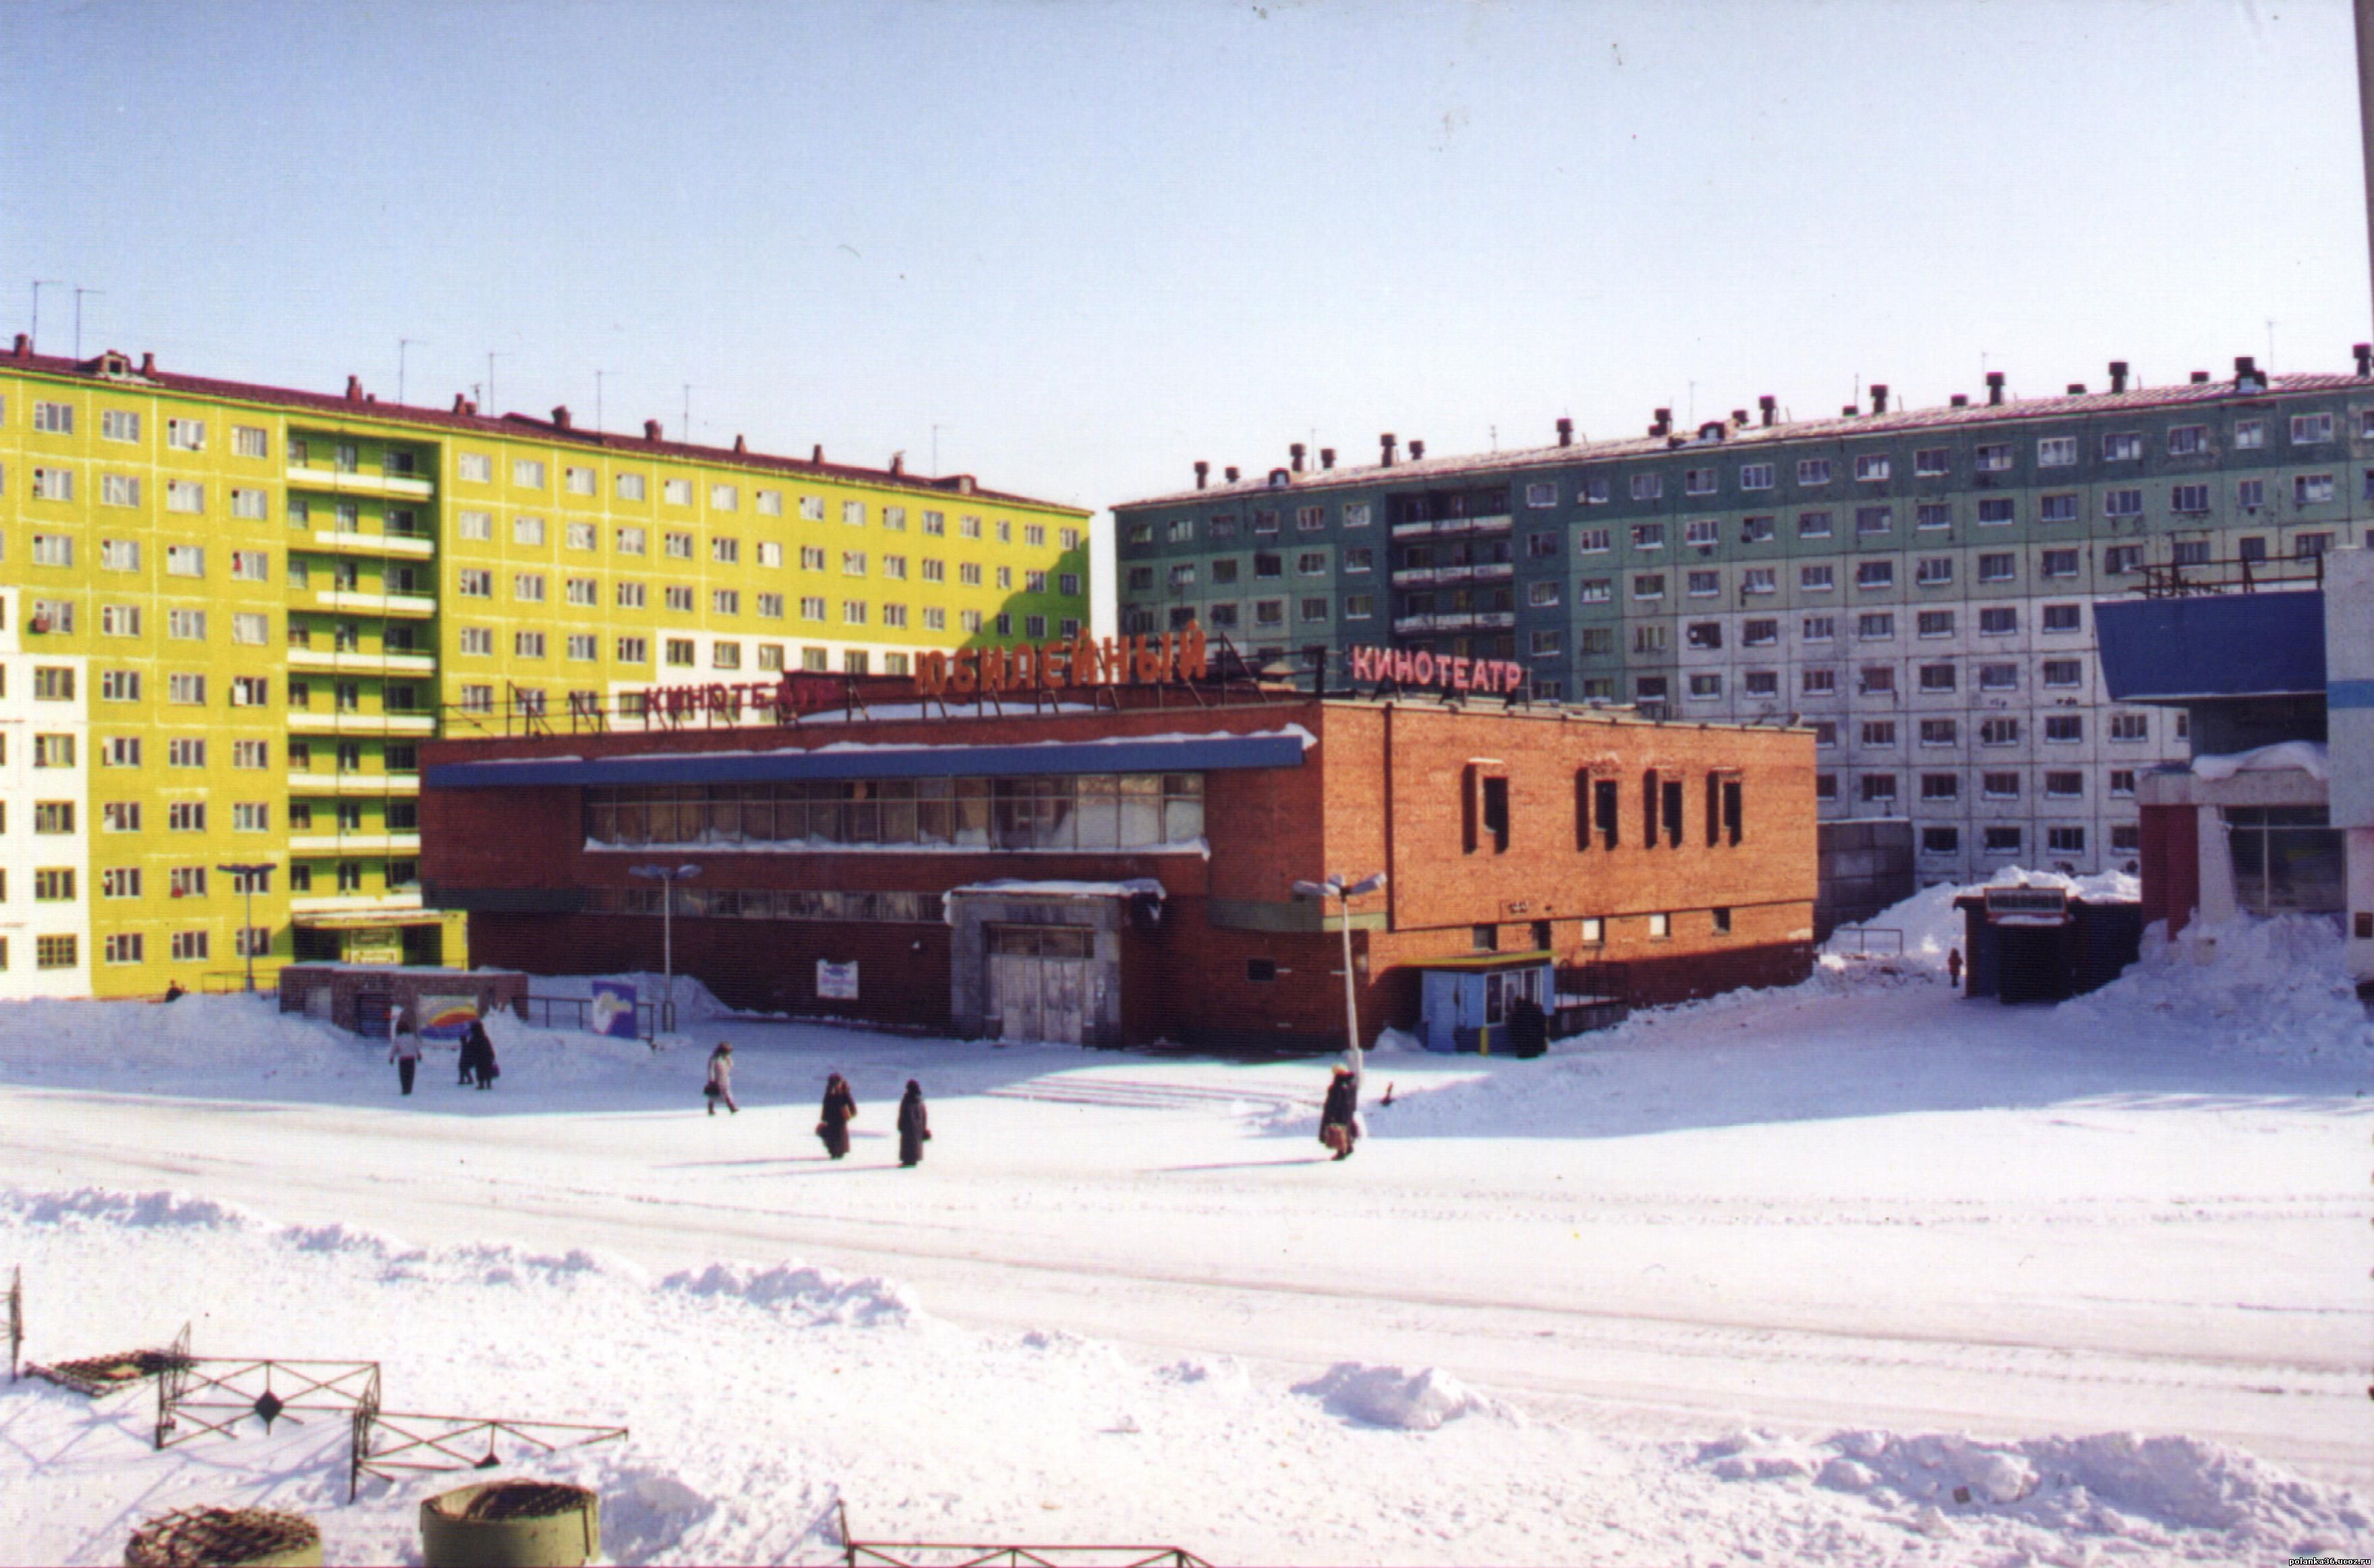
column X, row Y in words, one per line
column 719, row 1087
column 914, row 1125
column 832, row 1123
column 403, row 1049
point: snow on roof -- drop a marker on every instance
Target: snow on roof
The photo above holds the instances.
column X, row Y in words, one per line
column 2308, row 757
column 1133, row 887
column 1895, row 422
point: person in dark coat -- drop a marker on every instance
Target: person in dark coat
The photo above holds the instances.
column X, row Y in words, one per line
column 465, row 1068
column 1529, row 1029
column 832, row 1123
column 1954, row 968
column 479, row 1055
column 914, row 1125
column 1337, row 1129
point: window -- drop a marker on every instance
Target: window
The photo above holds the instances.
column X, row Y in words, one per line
column 119, row 489
column 186, row 817
column 1818, row 628
column 478, row 640
column 1874, row 680
column 1812, row 471
column 1591, row 541
column 1648, row 487
column 528, row 587
column 2250, row 434
column 1993, row 458
column 1826, row 787
column 1933, row 572
column 54, row 952
column 1813, row 525
column 2067, row 785
column 1759, row 580
column 53, row 549
column 1648, row 584
column 251, row 754
column 1940, row 841
column 2062, row 729
column 1816, row 682
column 1648, row 535
column 1698, row 481
column 1760, row 634
column 1816, row 579
column 1595, row 590
column 634, row 651
column 189, row 690
column 1875, row 574
column 1941, row 732
column 1540, row 593
column 2311, row 490
column 1878, row 789
column 678, row 598
column 2307, row 429
column 1763, row 683
column 2062, row 617
column 120, row 685
column 1931, row 461
column 1999, row 568
column 1706, row 684
column 2124, row 447
column 2187, row 441
column 725, row 601
column 1876, row 626
column 676, row 546
column 1755, row 530
column 475, row 583
column 54, row 484
column 474, row 467
column 1871, row 467
column 2056, row 451
column 1999, row 732
column 2188, row 498
column 2059, row 563
column 1705, row 533
column 1755, row 475
column 1937, row 678
column 1705, row 585
column 250, row 629
column 2120, row 559
column 2123, row 503
column 527, row 644
column 1932, row 514
column 1998, row 511
column 2063, row 672
column 1879, row 732
column 1939, row 788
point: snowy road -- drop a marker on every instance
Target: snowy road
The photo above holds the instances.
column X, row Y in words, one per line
column 1888, row 1208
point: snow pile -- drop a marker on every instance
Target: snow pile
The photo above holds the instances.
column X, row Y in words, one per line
column 807, row 1295
column 2308, row 757
column 2279, row 985
column 2174, row 1496
column 1386, row 1396
column 144, row 1210
column 1933, row 927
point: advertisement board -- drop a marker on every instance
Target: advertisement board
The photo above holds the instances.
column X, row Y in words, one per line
column 613, row 1012
column 837, row 981
column 445, row 1018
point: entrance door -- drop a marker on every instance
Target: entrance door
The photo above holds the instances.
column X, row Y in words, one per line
column 1039, row 982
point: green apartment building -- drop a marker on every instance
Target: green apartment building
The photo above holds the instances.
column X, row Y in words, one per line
column 1915, row 584
column 230, row 614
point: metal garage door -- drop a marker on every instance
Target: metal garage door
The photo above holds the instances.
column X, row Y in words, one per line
column 1039, row 982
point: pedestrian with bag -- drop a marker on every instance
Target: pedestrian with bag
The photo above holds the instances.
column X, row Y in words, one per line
column 1336, row 1118
column 720, row 1086
column 832, row 1123
column 914, row 1125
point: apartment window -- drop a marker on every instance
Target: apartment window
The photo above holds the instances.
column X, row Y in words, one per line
column 527, row 644
column 1595, row 590
column 1819, row 682
column 1878, row 789
column 54, row 952
column 528, row 587
column 1818, row 629
column 2123, row 503
column 1759, row 580
column 2059, row 563
column 1755, row 475
column 1812, row 471
column 118, row 424
column 1813, row 525
column 2067, row 840
column 726, row 655
column 1992, row 458
column 475, row 468
column 1932, row 514
column 1706, row 684
column 2056, row 451
column 1871, row 467
column 2062, row 617
column 1817, row 579
column 2123, row 447
column 1931, row 461
column 1879, row 732
column 725, row 601
column 2120, row 559
column 1703, row 634
column 54, row 484
column 2123, row 781
column 2063, row 672
column 1935, row 678
column 478, row 640
column 771, row 606
column 1875, row 574
column 680, row 651
column 119, row 489
column 2064, row 784
column 186, row 817
column 1698, row 481
column 1763, row 683
column 1705, row 585
column 812, row 609
column 678, row 598
column 53, row 549
column 1940, row 841
column 1760, row 634
column 250, row 629
column 634, row 651
column 1998, row 568
column 251, row 754
column 1876, row 626
column 1826, row 788
column 1648, row 584
column 2188, row 498
column 2311, row 490
column 1648, row 487
column 1933, row 572
column 1591, row 541
column 1940, row 732
column 2250, row 494
column 1648, row 535
column 1705, row 533
column 1995, row 512
column 1757, row 530
column 1876, row 679
column 188, row 691
column 2187, row 441
column 1940, row 788
column 2062, row 729
column 1999, row 732
column 2307, row 429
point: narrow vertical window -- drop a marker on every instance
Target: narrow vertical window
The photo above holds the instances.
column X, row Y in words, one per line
column 1605, row 798
column 1674, row 813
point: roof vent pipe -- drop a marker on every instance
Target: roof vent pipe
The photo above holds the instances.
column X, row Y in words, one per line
column 2118, row 375
column 2201, row 378
column 740, row 444
column 460, row 404
column 651, row 429
column 560, row 415
column 1879, row 397
column 2365, row 352
column 1230, row 474
column 24, row 345
column 1959, row 400
column 1295, row 452
column 1847, row 411
column 148, row 364
column 1772, row 407
column 354, row 389
column 1385, row 450
column 1417, row 450
column 1566, row 427
column 1664, row 424
column 816, row 453
column 1995, row 389
column 1327, row 458
column 1203, row 474
column 1739, row 418
column 2247, row 377
column 898, row 461
column 2076, row 389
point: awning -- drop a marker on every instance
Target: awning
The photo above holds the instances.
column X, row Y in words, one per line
column 368, row 921
column 1168, row 754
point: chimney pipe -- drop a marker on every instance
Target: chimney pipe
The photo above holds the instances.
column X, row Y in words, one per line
column 1230, row 474
column 1995, row 389
column 1385, row 450
column 1295, row 452
column 1327, row 458
column 460, row 404
column 2246, row 371
column 816, row 453
column 1739, row 418
column 1847, row 411
column 897, row 463
column 1879, row 397
column 2365, row 352
column 651, row 429
column 1959, row 400
column 2201, row 378
column 2076, row 389
column 1566, row 432
column 1417, row 450
column 24, row 345
column 560, row 415
column 740, row 444
column 354, row 389
column 1202, row 475
column 1772, row 407
column 1664, row 424
column 2118, row 375
column 147, row 364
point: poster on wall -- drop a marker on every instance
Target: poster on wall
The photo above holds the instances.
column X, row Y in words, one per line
column 837, row 981
column 384, row 945
column 614, row 1008
column 445, row 1018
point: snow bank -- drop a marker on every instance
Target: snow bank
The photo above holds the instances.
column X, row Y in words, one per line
column 2308, row 757
column 2277, row 986
column 1386, row 1396
column 2148, row 1493
column 1933, row 927
column 144, row 1210
column 808, row 1295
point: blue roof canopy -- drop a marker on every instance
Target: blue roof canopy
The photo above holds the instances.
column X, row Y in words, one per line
column 2212, row 645
column 1178, row 754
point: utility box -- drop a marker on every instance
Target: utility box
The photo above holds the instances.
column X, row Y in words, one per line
column 2040, row 944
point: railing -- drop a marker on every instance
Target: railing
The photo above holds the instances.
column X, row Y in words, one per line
column 1870, row 941
column 2236, row 576
column 225, row 981
column 651, row 1018
column 968, row 1554
column 387, row 1443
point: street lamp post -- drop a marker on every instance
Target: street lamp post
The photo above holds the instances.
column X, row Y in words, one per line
column 1340, row 889
column 250, row 876
column 668, row 877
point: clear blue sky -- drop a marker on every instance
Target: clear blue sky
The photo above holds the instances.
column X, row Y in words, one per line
column 1094, row 242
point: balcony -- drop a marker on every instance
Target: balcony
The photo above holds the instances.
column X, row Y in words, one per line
column 318, row 661
column 1496, row 571
column 1497, row 523
column 418, row 606
column 354, row 844
column 352, row 903
column 301, row 722
column 412, row 546
column 1414, row 623
column 411, row 486
column 1456, row 620
column 1403, row 576
column 354, row 783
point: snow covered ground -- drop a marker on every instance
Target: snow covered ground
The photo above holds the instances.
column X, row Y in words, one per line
column 1851, row 1273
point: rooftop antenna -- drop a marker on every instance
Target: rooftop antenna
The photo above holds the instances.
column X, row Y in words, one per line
column 402, row 344
column 79, row 292
column 490, row 405
column 597, row 398
column 33, row 338
column 2271, row 347
column 687, row 413
column 1496, row 436
column 935, row 451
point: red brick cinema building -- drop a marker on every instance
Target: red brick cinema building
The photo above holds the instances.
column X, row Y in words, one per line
column 1117, row 868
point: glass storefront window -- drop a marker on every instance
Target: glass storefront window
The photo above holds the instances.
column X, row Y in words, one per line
column 1094, row 811
column 2287, row 860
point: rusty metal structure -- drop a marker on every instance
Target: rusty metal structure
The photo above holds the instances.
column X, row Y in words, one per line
column 388, row 1444
column 195, row 1538
column 209, row 1396
column 960, row 1555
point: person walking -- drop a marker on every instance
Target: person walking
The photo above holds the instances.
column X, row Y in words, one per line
column 720, row 1086
column 403, row 1049
column 1336, row 1118
column 466, row 1069
column 1954, row 968
column 479, row 1055
column 914, row 1125
column 1529, row 1034
column 832, row 1123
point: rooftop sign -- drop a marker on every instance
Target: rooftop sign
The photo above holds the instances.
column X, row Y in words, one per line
column 1082, row 661
column 1451, row 672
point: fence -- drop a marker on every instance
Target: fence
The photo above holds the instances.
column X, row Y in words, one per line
column 1869, row 941
column 961, row 1554
column 651, row 1018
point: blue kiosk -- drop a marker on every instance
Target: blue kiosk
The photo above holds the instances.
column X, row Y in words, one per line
column 1464, row 1002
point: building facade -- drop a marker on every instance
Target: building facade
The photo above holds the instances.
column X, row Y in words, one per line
column 1124, row 874
column 231, row 615
column 1913, row 585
